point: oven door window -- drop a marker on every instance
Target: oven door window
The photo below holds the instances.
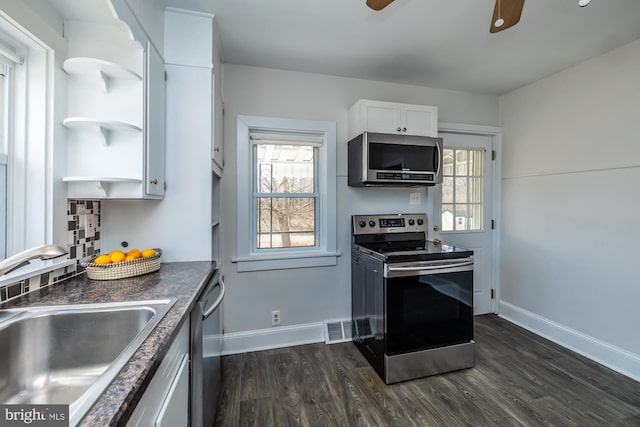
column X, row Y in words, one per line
column 397, row 157
column 428, row 311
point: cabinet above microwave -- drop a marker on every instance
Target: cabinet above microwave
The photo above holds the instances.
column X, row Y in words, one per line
column 377, row 159
column 392, row 118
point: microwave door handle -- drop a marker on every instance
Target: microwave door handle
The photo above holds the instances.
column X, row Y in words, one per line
column 438, row 160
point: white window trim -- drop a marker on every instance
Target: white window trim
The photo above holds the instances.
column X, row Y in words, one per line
column 30, row 176
column 325, row 254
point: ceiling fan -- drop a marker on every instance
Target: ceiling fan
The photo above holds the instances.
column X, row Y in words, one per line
column 506, row 13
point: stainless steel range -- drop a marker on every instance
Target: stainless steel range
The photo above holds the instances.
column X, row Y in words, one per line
column 412, row 299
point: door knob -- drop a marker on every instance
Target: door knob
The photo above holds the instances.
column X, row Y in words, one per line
column 436, row 228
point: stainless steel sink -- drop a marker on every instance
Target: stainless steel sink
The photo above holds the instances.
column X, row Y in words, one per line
column 68, row 354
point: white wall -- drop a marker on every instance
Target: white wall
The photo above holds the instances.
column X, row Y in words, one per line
column 312, row 295
column 570, row 200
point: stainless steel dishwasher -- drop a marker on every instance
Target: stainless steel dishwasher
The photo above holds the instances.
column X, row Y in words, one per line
column 206, row 348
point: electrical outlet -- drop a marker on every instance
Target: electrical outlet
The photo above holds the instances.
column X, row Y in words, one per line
column 275, row 317
column 88, row 223
column 415, row 199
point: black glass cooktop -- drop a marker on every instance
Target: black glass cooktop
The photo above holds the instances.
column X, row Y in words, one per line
column 415, row 250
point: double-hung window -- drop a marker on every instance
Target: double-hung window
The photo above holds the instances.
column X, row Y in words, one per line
column 286, row 193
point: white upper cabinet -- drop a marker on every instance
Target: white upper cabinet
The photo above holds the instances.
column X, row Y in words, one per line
column 393, row 118
column 191, row 42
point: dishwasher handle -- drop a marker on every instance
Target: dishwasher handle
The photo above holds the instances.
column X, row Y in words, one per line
column 216, row 303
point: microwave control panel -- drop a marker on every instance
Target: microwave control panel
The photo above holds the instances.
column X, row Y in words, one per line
column 404, row 176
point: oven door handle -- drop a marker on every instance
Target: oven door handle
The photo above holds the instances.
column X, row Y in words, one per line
column 418, row 269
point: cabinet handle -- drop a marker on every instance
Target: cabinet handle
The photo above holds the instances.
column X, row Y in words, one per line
column 154, row 182
column 217, row 149
column 404, row 129
column 399, row 129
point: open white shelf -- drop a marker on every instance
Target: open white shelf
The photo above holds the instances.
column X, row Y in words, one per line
column 102, row 183
column 104, row 71
column 103, row 127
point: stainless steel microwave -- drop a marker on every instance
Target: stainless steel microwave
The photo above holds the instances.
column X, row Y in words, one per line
column 394, row 160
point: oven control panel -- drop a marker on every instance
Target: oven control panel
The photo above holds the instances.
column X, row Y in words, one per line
column 390, row 223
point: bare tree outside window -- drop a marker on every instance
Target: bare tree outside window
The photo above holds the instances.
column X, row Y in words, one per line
column 286, row 195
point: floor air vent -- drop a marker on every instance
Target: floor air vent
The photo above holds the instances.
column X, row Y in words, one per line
column 336, row 331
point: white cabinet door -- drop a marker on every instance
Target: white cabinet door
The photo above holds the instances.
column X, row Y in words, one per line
column 382, row 117
column 162, row 400
column 217, row 154
column 392, row 118
column 155, row 123
column 175, row 409
column 419, row 120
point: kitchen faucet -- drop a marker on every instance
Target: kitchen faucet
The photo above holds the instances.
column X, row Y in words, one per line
column 43, row 252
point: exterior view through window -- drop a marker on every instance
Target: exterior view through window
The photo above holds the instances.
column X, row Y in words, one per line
column 285, row 193
column 462, row 204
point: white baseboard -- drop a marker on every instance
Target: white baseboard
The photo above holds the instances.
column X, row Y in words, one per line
column 276, row 337
column 613, row 357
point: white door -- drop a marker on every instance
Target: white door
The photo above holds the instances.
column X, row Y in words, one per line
column 463, row 207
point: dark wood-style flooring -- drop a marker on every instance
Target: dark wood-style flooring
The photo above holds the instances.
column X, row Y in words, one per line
column 520, row 379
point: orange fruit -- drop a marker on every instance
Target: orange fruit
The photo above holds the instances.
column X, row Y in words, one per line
column 148, row 252
column 102, row 259
column 117, row 256
column 135, row 253
column 131, row 257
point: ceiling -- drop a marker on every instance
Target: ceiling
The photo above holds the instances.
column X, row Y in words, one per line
column 435, row 43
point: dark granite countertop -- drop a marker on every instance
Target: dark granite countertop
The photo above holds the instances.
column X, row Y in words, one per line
column 180, row 280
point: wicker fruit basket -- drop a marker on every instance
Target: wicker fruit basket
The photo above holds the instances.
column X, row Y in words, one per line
column 124, row 269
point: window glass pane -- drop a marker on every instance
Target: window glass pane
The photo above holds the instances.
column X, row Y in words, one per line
column 475, row 217
column 447, row 217
column 447, row 189
column 447, row 162
column 286, row 222
column 284, row 168
column 460, row 220
column 462, row 190
column 461, row 162
column 475, row 190
column 475, row 163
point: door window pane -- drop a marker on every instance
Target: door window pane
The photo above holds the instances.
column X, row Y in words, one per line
column 462, row 190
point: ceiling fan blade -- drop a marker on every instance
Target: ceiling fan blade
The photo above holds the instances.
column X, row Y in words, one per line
column 509, row 11
column 378, row 4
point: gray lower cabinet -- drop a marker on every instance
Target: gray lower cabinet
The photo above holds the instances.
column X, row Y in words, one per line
column 165, row 403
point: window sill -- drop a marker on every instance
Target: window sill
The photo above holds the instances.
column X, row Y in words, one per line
column 34, row 268
column 286, row 261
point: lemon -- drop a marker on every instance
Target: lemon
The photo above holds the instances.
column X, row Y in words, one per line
column 131, row 257
column 148, row 253
column 135, row 253
column 117, row 256
column 102, row 259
